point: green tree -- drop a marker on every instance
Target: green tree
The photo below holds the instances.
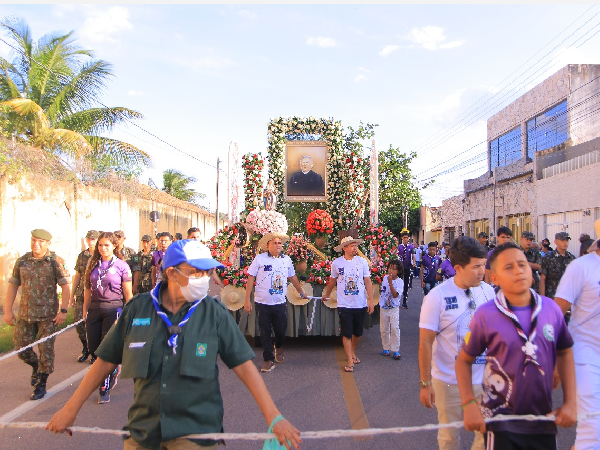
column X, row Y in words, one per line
column 398, row 194
column 51, row 105
column 178, row 185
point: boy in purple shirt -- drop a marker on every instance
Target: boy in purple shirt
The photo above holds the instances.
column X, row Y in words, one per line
column 406, row 254
column 429, row 266
column 525, row 336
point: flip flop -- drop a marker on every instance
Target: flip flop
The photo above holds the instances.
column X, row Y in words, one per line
column 349, row 368
column 356, row 361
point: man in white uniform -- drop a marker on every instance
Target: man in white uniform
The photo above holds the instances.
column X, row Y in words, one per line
column 579, row 291
column 354, row 295
column 445, row 316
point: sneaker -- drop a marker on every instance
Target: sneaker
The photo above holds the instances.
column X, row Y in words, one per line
column 267, row 366
column 404, row 306
column 93, row 359
column 84, row 355
column 103, row 396
column 385, row 353
column 114, row 378
column 279, row 355
column 396, row 355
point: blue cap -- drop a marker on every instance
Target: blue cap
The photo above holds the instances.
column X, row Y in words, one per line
column 192, row 252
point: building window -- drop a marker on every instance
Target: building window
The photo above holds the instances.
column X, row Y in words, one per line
column 506, row 149
column 548, row 129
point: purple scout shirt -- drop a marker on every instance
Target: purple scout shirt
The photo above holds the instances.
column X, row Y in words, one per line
column 405, row 255
column 108, row 293
column 429, row 266
column 487, row 259
column 157, row 258
column 510, row 386
column 446, row 269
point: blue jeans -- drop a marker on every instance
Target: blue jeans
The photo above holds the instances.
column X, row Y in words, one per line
column 429, row 285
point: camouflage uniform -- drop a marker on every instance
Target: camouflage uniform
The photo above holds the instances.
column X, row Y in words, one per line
column 553, row 267
column 38, row 305
column 80, row 266
column 143, row 264
column 534, row 256
column 127, row 254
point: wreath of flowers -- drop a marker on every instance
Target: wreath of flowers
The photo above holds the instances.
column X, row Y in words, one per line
column 320, row 273
column 262, row 222
column 236, row 277
column 378, row 271
column 383, row 241
column 219, row 243
column 253, row 165
column 297, row 249
column 319, row 223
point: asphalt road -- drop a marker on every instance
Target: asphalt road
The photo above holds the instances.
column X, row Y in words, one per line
column 310, row 388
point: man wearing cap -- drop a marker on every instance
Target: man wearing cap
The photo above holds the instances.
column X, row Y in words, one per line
column 77, row 294
column 164, row 240
column 37, row 272
column 483, row 240
column 142, row 267
column 555, row 264
column 271, row 270
column 352, row 276
column 578, row 291
column 586, row 242
column 168, row 341
column 533, row 257
column 406, row 254
column 126, row 253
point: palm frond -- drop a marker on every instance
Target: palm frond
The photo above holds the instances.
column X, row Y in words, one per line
column 26, row 107
column 122, row 152
column 66, row 141
column 98, row 120
column 21, row 36
column 8, row 88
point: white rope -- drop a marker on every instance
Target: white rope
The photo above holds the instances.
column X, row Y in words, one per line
column 312, row 318
column 16, row 352
column 306, row 434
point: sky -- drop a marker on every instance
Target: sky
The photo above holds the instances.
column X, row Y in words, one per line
column 430, row 76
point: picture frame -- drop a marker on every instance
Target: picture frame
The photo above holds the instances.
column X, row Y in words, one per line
column 305, row 171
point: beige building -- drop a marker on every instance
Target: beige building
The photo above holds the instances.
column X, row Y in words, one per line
column 430, row 229
column 543, row 162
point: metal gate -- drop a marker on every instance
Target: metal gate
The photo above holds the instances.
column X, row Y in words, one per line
column 569, row 222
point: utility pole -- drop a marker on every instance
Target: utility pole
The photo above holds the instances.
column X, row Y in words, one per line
column 217, row 208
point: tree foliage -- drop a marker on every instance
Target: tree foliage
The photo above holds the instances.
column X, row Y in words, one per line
column 178, row 185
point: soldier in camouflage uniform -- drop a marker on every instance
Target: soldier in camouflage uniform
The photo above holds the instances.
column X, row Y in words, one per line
column 77, row 297
column 126, row 253
column 534, row 257
column 554, row 265
column 142, row 267
column 37, row 272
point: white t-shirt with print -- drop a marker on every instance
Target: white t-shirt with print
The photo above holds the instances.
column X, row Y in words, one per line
column 271, row 278
column 418, row 253
column 580, row 286
column 386, row 292
column 446, row 311
column 350, row 276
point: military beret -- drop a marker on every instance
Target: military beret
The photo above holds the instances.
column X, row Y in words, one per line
column 146, row 237
column 483, row 234
column 527, row 235
column 92, row 234
column 562, row 236
column 41, row 234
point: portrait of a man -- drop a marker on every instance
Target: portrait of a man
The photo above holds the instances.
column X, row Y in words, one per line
column 306, row 166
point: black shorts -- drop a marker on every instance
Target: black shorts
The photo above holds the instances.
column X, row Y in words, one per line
column 507, row 440
column 352, row 321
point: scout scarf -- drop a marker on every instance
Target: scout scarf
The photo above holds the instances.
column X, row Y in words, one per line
column 102, row 273
column 529, row 348
column 174, row 330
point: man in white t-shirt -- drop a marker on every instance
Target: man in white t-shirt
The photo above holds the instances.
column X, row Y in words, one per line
column 354, row 295
column 445, row 316
column 579, row 291
column 418, row 254
column 271, row 271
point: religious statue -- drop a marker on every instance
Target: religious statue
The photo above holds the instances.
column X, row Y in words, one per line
column 270, row 196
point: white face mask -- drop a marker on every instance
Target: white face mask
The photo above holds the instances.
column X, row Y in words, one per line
column 196, row 289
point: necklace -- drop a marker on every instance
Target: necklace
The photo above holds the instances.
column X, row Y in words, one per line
column 102, row 274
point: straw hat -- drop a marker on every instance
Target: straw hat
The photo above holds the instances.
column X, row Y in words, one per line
column 596, row 245
column 262, row 244
column 233, row 297
column 347, row 241
column 332, row 302
column 293, row 296
column 376, row 293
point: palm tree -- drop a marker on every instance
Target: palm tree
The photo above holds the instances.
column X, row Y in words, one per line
column 177, row 184
column 51, row 104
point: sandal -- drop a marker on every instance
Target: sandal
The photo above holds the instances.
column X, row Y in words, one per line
column 396, row 355
column 349, row 368
column 385, row 353
column 356, row 361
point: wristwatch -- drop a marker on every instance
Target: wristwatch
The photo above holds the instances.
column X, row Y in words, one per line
column 424, row 383
column 63, row 310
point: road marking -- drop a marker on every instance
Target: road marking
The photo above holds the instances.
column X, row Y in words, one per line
column 31, row 404
column 354, row 404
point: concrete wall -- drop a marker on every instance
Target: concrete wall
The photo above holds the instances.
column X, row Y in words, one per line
column 69, row 210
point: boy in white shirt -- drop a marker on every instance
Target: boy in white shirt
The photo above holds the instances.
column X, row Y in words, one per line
column 389, row 301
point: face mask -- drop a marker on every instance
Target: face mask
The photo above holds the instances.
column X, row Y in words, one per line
column 196, row 289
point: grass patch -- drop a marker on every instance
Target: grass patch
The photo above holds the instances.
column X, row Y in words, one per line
column 6, row 332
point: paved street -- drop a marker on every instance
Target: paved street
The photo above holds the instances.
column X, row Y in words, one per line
column 310, row 388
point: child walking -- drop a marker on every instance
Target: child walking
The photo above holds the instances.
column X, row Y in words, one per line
column 389, row 301
column 525, row 335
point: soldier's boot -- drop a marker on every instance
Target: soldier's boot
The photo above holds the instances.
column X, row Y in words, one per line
column 84, row 354
column 34, row 373
column 40, row 387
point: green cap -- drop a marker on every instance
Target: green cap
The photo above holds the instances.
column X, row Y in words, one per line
column 146, row 237
column 92, row 234
column 41, row 234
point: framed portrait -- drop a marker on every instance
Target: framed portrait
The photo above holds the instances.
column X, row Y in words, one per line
column 306, row 171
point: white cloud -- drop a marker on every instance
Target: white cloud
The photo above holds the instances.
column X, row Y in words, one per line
column 388, row 50
column 362, row 69
column 432, row 38
column 360, row 78
column 321, row 41
column 105, row 25
column 133, row 93
column 247, row 14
